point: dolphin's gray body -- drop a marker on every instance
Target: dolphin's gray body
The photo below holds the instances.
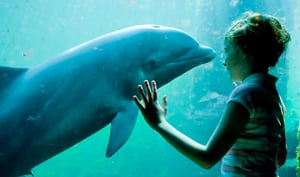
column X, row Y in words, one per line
column 49, row 108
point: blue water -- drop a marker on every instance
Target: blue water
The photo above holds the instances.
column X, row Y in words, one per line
column 32, row 31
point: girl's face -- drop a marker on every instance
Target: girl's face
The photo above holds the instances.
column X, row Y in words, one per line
column 234, row 60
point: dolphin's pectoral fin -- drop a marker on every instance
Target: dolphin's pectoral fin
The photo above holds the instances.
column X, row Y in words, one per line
column 121, row 128
column 8, row 75
column 28, row 174
column 31, row 174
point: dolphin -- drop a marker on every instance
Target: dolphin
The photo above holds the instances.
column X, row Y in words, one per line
column 48, row 108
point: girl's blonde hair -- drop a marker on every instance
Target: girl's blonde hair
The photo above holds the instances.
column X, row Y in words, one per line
column 259, row 36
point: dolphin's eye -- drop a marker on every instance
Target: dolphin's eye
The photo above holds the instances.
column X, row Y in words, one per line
column 152, row 62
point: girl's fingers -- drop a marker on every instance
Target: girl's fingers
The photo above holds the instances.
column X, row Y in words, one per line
column 148, row 90
column 165, row 103
column 143, row 96
column 154, row 90
column 137, row 102
column 146, row 97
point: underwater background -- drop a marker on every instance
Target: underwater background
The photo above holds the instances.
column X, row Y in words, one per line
column 32, row 31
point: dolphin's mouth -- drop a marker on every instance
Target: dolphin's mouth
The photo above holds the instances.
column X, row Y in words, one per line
column 199, row 58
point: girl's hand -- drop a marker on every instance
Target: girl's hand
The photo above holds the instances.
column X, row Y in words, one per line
column 152, row 111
